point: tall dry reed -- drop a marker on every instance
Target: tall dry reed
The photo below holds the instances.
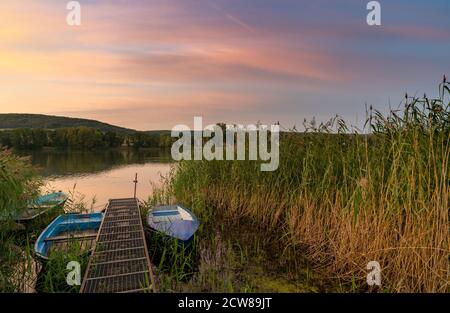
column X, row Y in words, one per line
column 343, row 199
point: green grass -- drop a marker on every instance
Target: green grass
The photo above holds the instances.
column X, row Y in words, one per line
column 18, row 184
column 53, row 277
column 337, row 201
column 19, row 271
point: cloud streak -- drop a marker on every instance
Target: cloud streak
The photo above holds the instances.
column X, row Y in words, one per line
column 169, row 60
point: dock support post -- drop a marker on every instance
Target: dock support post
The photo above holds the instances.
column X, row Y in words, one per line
column 135, row 181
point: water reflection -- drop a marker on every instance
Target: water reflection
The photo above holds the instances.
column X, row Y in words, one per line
column 101, row 175
column 63, row 163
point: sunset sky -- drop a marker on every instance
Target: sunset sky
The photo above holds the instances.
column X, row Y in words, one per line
column 151, row 64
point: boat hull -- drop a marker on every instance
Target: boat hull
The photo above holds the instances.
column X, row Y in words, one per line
column 65, row 229
column 173, row 221
column 42, row 205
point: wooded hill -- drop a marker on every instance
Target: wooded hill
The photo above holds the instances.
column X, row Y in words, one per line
column 12, row 121
column 34, row 131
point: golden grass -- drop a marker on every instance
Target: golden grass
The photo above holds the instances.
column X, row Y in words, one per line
column 343, row 200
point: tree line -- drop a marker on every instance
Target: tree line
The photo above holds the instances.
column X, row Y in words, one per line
column 81, row 138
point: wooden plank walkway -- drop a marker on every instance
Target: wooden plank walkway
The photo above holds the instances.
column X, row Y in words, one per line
column 120, row 261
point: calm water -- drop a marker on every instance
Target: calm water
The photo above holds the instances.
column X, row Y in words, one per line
column 101, row 175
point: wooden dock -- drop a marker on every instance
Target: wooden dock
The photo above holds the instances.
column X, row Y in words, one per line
column 120, row 261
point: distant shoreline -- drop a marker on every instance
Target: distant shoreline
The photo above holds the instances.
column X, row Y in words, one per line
column 69, row 149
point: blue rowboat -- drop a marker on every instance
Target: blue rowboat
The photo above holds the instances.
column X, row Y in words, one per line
column 41, row 205
column 174, row 221
column 67, row 229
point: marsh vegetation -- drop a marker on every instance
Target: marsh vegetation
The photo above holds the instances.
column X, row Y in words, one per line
column 338, row 201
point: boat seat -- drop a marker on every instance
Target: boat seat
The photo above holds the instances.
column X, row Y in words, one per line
column 70, row 237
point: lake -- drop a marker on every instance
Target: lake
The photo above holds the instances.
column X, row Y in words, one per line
column 101, row 175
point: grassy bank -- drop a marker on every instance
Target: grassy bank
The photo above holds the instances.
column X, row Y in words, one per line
column 18, row 184
column 19, row 271
column 336, row 202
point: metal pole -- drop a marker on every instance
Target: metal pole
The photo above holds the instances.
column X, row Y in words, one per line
column 135, row 181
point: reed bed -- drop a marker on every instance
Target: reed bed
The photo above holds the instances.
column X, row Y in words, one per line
column 19, row 271
column 18, row 184
column 338, row 200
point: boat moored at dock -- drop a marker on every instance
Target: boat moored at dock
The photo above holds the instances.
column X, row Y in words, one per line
column 174, row 221
column 67, row 229
column 42, row 205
